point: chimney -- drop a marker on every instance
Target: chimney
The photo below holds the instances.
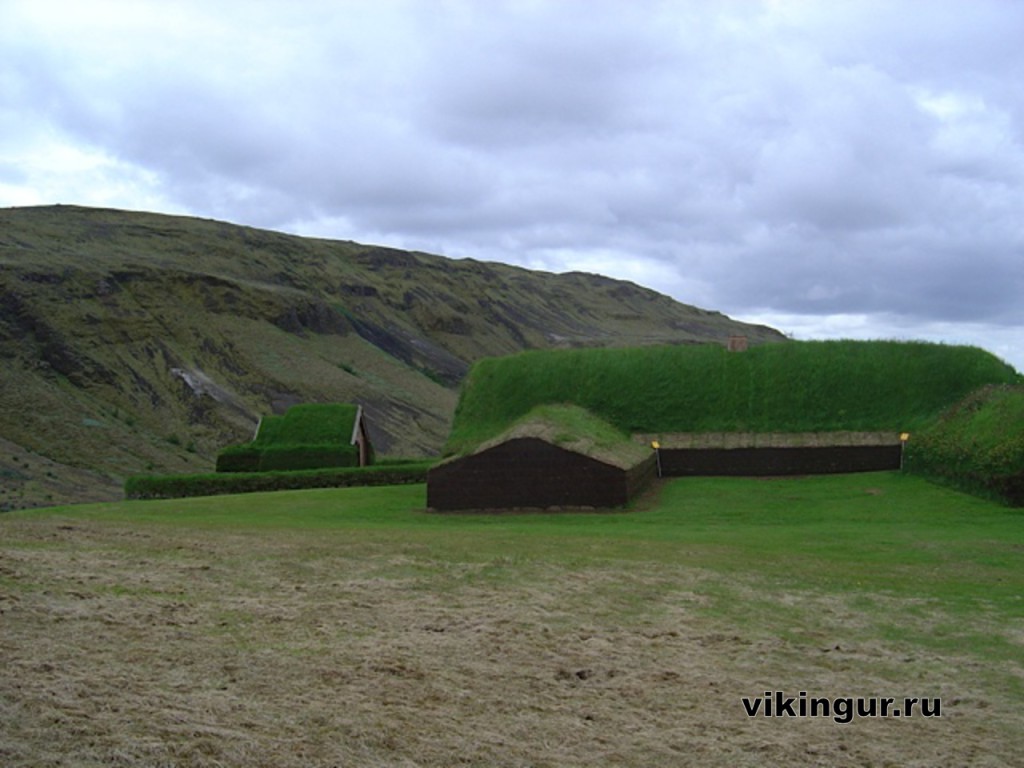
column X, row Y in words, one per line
column 737, row 344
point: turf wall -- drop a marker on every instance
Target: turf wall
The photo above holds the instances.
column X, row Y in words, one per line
column 257, row 458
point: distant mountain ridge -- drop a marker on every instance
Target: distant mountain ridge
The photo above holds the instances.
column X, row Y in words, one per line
column 134, row 342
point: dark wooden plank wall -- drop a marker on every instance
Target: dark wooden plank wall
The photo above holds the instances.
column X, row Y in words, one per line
column 818, row 460
column 528, row 472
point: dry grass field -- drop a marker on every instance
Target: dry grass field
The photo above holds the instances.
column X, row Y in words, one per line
column 129, row 638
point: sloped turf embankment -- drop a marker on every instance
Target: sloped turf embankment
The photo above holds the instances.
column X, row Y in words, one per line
column 976, row 446
column 824, row 386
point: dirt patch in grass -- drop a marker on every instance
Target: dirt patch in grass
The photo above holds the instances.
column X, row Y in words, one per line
column 154, row 646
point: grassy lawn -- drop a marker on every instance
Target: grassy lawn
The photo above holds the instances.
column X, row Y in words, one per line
column 880, row 531
column 352, row 627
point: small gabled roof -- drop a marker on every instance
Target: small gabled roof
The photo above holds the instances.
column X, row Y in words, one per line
column 311, row 424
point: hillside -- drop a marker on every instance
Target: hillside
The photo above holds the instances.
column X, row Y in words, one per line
column 813, row 386
column 138, row 342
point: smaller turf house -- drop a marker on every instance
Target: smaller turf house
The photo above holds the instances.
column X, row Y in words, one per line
column 558, row 455
column 307, row 436
column 578, row 428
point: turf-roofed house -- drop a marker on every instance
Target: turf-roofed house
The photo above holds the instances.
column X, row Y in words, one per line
column 555, row 456
column 590, row 427
column 306, row 436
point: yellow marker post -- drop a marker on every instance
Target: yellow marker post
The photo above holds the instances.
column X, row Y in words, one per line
column 657, row 454
column 904, row 436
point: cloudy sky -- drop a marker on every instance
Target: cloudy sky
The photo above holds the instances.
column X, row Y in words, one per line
column 834, row 169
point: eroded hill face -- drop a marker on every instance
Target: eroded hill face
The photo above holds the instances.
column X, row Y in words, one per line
column 135, row 342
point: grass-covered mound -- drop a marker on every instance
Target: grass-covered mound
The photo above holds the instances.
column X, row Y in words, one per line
column 813, row 386
column 308, row 436
column 977, row 445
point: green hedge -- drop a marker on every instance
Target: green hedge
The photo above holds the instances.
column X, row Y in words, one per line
column 976, row 446
column 179, row 486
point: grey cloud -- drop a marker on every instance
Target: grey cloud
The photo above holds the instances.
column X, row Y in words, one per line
column 538, row 74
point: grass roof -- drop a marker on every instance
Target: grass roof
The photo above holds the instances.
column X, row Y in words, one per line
column 575, row 429
column 309, row 424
